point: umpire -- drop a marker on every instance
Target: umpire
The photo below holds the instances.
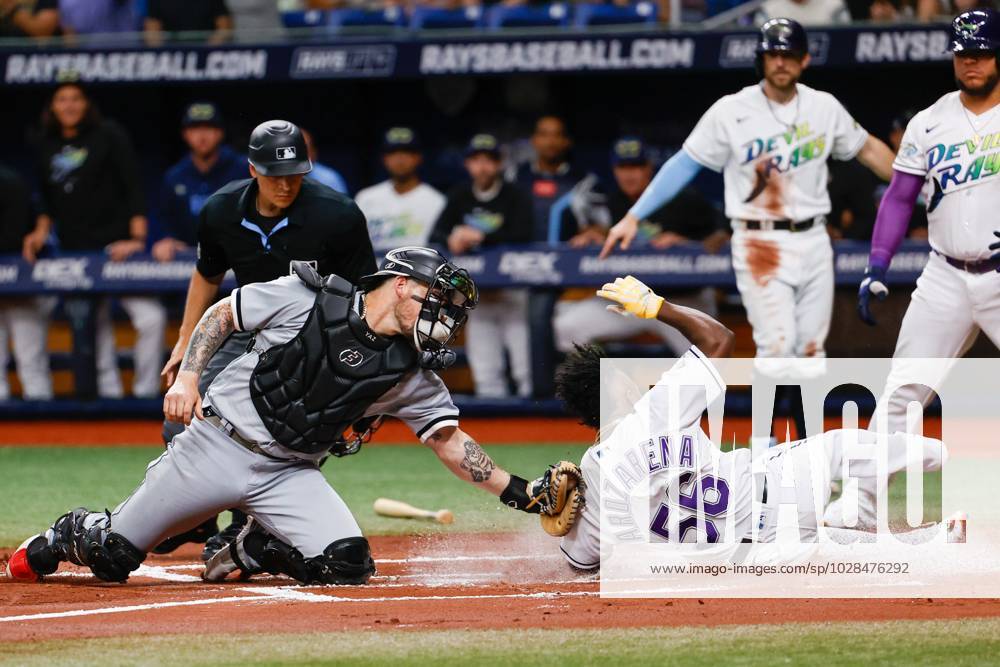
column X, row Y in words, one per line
column 257, row 227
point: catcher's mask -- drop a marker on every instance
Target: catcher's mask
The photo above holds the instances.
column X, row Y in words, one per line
column 451, row 294
column 443, row 311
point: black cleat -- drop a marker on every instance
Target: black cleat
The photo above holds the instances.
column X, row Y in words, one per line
column 218, row 542
column 199, row 535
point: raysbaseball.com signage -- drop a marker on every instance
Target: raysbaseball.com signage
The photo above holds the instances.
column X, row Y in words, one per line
column 474, row 54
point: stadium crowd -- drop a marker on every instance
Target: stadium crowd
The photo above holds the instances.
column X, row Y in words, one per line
column 224, row 20
column 87, row 196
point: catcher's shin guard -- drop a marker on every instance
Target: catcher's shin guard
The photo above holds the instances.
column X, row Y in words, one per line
column 67, row 533
column 110, row 556
column 347, row 561
column 115, row 559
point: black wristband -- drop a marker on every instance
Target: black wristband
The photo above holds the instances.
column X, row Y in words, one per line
column 516, row 496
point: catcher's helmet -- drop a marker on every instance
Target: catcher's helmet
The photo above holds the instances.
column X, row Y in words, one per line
column 450, row 296
column 784, row 35
column 975, row 30
column 277, row 148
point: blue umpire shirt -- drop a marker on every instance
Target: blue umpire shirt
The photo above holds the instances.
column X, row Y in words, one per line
column 185, row 190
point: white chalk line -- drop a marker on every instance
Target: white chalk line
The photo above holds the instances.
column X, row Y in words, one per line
column 427, row 580
column 291, row 594
column 155, row 572
column 459, row 559
column 135, row 607
column 415, row 559
column 318, row 597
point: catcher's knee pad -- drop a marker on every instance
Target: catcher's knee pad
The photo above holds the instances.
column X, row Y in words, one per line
column 112, row 560
column 346, row 561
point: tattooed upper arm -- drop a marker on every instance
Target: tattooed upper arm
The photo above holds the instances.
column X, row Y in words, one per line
column 212, row 329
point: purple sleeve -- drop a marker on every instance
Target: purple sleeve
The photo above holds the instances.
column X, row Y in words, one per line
column 894, row 217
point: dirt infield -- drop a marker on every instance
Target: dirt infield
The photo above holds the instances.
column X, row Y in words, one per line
column 134, row 432
column 442, row 582
column 487, row 431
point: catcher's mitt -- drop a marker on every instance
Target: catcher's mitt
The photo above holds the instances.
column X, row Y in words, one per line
column 559, row 494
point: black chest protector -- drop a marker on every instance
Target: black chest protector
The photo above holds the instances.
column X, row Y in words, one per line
column 309, row 390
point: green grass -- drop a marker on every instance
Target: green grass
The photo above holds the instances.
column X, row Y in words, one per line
column 39, row 484
column 911, row 643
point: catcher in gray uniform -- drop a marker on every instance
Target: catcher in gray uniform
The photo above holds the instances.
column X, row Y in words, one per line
column 327, row 357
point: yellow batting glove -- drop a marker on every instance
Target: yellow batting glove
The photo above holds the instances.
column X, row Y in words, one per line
column 633, row 297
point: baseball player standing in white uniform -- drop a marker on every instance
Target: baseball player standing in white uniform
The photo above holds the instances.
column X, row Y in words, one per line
column 771, row 141
column 682, row 456
column 951, row 152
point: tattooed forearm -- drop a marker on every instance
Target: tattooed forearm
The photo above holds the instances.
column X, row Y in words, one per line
column 477, row 463
column 213, row 328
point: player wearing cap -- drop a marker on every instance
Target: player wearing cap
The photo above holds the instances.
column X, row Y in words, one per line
column 257, row 227
column 950, row 153
column 187, row 185
column 771, row 141
column 482, row 212
column 401, row 210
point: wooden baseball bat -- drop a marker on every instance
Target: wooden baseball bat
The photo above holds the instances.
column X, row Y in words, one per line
column 400, row 510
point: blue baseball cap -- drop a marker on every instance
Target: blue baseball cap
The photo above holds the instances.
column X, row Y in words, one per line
column 400, row 139
column 629, row 151
column 483, row 143
column 202, row 113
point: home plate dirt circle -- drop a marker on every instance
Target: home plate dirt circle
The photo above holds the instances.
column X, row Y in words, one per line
column 437, row 582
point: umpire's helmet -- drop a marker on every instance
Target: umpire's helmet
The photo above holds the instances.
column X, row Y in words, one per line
column 975, row 30
column 277, row 148
column 784, row 35
column 450, row 296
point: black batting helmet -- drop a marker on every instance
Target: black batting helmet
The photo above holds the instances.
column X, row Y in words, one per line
column 780, row 36
column 451, row 294
column 975, row 30
column 783, row 35
column 277, row 148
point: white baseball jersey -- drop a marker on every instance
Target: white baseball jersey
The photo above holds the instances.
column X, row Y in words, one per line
column 773, row 158
column 684, row 469
column 396, row 220
column 694, row 487
column 958, row 153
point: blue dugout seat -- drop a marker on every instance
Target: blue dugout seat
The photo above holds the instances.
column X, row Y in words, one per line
column 588, row 14
column 556, row 14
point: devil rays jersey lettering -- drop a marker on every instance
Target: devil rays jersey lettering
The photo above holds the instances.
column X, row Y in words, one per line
column 958, row 154
column 773, row 158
